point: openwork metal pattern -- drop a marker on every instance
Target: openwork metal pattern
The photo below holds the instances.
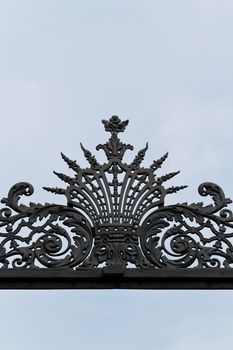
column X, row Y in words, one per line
column 116, row 216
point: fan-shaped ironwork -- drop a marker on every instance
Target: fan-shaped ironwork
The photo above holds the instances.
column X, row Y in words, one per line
column 115, row 223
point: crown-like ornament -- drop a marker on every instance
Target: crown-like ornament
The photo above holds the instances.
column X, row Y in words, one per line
column 115, row 195
column 115, row 216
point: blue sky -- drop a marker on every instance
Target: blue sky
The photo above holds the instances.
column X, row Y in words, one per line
column 167, row 67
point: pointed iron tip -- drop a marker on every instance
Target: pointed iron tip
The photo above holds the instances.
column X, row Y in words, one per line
column 174, row 173
column 83, row 148
column 64, row 157
column 45, row 188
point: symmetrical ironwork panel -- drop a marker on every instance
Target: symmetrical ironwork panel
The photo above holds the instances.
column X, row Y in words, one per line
column 116, row 226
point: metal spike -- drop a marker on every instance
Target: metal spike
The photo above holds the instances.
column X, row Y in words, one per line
column 55, row 190
column 166, row 177
column 71, row 163
column 139, row 157
column 64, row 178
column 175, row 189
column 157, row 163
column 90, row 158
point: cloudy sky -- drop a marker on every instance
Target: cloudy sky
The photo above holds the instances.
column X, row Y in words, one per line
column 166, row 65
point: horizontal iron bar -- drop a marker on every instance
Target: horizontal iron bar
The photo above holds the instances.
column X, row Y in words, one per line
column 116, row 278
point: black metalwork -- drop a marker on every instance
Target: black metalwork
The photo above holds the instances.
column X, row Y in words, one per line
column 116, row 224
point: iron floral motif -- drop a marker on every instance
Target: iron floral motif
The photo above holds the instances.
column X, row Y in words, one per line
column 115, row 216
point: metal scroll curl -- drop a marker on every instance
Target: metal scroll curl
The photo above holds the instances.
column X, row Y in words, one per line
column 193, row 235
column 38, row 235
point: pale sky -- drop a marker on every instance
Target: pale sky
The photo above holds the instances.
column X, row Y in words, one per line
column 166, row 65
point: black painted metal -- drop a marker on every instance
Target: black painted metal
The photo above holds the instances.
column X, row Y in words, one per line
column 116, row 230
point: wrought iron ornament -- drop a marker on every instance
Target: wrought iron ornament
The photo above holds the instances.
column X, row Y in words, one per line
column 116, row 216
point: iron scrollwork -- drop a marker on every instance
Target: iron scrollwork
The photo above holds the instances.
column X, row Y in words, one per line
column 115, row 215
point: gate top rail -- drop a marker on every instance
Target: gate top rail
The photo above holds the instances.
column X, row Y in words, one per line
column 116, row 230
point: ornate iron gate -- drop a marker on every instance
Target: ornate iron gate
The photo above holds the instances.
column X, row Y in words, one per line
column 115, row 230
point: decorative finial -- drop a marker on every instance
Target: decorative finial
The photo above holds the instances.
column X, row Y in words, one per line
column 115, row 125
